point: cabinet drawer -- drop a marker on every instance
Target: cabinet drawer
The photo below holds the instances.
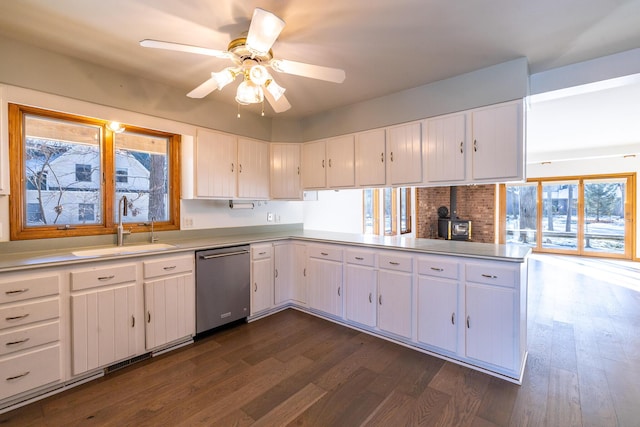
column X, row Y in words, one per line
column 25, row 338
column 24, row 372
column 325, row 252
column 395, row 262
column 361, row 257
column 102, row 276
column 492, row 274
column 162, row 267
column 29, row 313
column 22, row 289
column 261, row 252
column 439, row 267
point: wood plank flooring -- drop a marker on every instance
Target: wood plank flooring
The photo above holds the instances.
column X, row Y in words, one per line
column 295, row 369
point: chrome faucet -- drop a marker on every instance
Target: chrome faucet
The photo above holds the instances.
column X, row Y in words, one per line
column 122, row 210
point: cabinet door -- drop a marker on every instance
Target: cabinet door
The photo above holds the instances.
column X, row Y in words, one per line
column 491, row 325
column 325, row 286
column 285, row 172
column 283, row 259
column 103, row 326
column 361, row 295
column 169, row 309
column 370, row 158
column 437, row 313
column 404, row 154
column 262, row 286
column 313, row 165
column 216, row 167
column 497, row 142
column 341, row 162
column 394, row 302
column 299, row 274
column 253, row 169
column 446, row 146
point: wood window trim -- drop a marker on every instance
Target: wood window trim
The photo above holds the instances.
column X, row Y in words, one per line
column 17, row 208
column 407, row 200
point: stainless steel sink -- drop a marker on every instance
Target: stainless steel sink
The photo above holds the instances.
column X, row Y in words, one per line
column 123, row 250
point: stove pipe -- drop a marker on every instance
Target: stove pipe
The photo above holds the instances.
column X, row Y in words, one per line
column 453, row 203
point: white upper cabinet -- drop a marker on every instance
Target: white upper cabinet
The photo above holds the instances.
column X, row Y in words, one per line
column 215, row 159
column 446, row 145
column 313, row 165
column 371, row 158
column 404, row 154
column 498, row 142
column 228, row 167
column 253, row 169
column 285, row 171
column 341, row 162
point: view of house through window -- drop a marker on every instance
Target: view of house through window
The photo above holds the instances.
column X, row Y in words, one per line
column 586, row 216
column 75, row 171
column 393, row 205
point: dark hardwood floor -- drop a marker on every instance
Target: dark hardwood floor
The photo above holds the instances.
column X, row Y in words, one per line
column 293, row 368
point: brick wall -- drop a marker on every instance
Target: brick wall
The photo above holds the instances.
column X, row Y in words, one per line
column 475, row 202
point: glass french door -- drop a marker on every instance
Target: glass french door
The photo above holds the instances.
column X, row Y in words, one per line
column 580, row 216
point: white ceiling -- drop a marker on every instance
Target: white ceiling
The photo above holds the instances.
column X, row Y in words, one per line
column 384, row 46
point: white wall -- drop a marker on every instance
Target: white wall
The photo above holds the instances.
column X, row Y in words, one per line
column 337, row 211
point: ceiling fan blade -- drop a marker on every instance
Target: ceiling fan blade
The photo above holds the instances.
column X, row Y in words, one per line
column 329, row 74
column 264, row 30
column 279, row 106
column 158, row 44
column 204, row 89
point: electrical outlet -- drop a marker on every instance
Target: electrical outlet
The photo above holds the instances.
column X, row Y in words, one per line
column 269, row 216
column 188, row 222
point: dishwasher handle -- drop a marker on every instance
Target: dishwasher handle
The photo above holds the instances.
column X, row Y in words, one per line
column 223, row 254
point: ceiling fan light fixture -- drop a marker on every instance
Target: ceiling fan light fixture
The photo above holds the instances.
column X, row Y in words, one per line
column 264, row 30
column 274, row 89
column 259, row 74
column 224, row 77
column 249, row 93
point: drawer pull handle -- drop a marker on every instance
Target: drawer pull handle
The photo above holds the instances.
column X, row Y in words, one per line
column 148, row 317
column 304, row 272
column 255, row 287
column 370, row 299
column 339, row 291
column 359, row 258
column 262, row 253
column 15, row 377
column 105, row 278
column 18, row 342
column 17, row 291
column 489, row 276
column 276, row 270
column 17, row 317
column 380, row 299
column 394, row 263
column 437, row 269
column 169, row 267
column 382, row 157
column 453, row 318
column 133, row 321
column 468, row 322
column 324, row 253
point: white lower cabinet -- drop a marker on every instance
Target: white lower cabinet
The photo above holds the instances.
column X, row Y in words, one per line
column 262, row 279
column 495, row 318
column 289, row 273
column 30, row 348
column 438, row 301
column 169, row 300
column 361, row 297
column 324, row 279
column 103, row 316
column 395, row 294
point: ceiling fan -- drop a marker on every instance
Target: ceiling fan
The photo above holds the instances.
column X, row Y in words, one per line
column 252, row 56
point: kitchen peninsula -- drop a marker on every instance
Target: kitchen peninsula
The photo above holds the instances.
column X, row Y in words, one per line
column 462, row 301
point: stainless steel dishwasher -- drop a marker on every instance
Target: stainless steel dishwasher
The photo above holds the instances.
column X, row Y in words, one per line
column 223, row 286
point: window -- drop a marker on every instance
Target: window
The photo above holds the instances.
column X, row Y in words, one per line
column 122, row 175
column 395, row 211
column 86, row 212
column 83, row 173
column 70, row 172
